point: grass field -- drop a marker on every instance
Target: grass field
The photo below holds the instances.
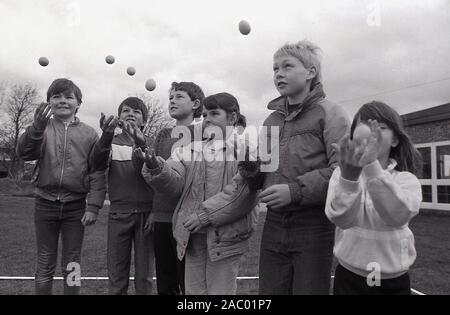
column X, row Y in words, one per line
column 430, row 274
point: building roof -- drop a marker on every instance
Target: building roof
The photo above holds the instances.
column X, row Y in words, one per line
column 429, row 115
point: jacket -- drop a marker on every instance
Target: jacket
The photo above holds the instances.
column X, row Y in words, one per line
column 128, row 192
column 163, row 208
column 306, row 157
column 371, row 216
column 230, row 216
column 64, row 169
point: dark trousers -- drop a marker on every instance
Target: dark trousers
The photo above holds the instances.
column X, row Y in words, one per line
column 349, row 283
column 296, row 255
column 124, row 231
column 52, row 219
column 169, row 270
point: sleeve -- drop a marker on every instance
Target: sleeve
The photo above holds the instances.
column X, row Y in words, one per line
column 233, row 202
column 310, row 189
column 30, row 143
column 100, row 157
column 97, row 182
column 397, row 200
column 169, row 179
column 344, row 201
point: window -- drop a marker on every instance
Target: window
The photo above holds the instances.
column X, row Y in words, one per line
column 443, row 194
column 443, row 162
column 426, row 159
column 426, row 193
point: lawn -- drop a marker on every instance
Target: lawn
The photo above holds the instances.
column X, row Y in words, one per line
column 430, row 274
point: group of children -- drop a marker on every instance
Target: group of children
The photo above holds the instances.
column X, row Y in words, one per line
column 193, row 210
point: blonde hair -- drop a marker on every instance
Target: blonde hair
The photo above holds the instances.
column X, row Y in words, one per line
column 308, row 53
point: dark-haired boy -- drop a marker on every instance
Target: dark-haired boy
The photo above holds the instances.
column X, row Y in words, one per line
column 62, row 146
column 131, row 198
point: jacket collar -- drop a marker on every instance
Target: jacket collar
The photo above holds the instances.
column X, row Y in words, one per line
column 281, row 103
column 74, row 122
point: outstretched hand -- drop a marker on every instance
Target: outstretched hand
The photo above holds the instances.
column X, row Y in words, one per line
column 353, row 155
column 135, row 133
column 108, row 125
column 41, row 116
column 148, row 157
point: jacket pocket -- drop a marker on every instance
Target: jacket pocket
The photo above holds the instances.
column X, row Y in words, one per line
column 239, row 230
column 305, row 151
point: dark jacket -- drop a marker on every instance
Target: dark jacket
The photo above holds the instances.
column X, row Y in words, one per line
column 63, row 167
column 128, row 192
column 163, row 207
column 306, row 157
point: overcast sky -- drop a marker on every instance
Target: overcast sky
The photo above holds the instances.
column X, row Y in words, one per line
column 369, row 47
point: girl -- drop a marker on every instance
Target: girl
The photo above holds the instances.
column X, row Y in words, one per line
column 215, row 215
column 372, row 196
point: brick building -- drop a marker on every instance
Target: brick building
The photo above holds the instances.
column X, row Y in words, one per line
column 430, row 131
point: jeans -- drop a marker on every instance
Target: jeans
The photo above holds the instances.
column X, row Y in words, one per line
column 296, row 254
column 124, row 231
column 51, row 219
column 169, row 270
column 206, row 277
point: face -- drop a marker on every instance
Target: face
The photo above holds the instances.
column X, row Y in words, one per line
column 388, row 141
column 181, row 106
column 215, row 119
column 132, row 116
column 290, row 76
column 64, row 105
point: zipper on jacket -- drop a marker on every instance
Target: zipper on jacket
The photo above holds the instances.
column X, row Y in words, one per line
column 66, row 126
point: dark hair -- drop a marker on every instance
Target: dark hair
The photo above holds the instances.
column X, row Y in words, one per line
column 228, row 103
column 63, row 85
column 135, row 103
column 194, row 92
column 405, row 154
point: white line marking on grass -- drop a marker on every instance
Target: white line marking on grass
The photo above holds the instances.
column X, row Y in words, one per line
column 417, row 292
column 100, row 278
column 154, row 278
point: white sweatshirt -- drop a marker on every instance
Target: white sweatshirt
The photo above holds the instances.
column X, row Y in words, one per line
column 371, row 217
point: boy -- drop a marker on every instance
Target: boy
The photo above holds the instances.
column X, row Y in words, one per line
column 62, row 146
column 185, row 106
column 131, row 198
column 297, row 241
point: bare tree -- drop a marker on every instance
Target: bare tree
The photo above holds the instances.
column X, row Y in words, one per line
column 158, row 117
column 19, row 104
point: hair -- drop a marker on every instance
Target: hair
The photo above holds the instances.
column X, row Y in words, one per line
column 228, row 103
column 135, row 103
column 194, row 92
column 308, row 53
column 63, row 85
column 405, row 154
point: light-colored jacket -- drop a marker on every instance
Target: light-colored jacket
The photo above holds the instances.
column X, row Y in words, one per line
column 371, row 216
column 64, row 168
column 230, row 215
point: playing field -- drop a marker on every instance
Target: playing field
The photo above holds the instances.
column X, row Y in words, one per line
column 430, row 274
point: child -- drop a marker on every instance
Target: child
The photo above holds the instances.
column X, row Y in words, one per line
column 131, row 198
column 62, row 146
column 297, row 241
column 185, row 106
column 211, row 228
column 371, row 198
